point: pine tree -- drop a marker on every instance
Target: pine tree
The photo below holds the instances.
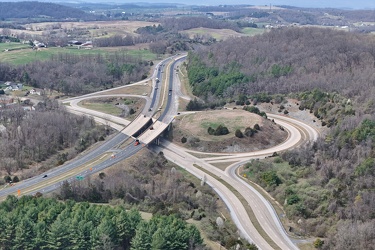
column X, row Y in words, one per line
column 24, row 234
column 142, row 239
column 58, row 235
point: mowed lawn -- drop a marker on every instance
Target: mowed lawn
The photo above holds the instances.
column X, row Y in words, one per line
column 27, row 55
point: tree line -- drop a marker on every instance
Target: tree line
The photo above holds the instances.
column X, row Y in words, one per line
column 78, row 74
column 50, row 11
column 42, row 223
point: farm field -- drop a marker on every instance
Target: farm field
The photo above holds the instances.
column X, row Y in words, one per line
column 24, row 56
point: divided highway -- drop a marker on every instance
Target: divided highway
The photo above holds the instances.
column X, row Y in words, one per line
column 103, row 157
column 95, row 160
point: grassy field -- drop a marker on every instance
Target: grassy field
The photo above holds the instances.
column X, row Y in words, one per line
column 24, row 56
column 218, row 34
column 12, row 46
column 107, row 108
column 197, row 124
column 252, row 31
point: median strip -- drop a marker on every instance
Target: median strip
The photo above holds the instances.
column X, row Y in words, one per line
column 248, row 209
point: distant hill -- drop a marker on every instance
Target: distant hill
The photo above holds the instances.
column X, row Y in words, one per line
column 41, row 10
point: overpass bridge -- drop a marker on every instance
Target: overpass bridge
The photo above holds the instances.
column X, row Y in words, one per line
column 153, row 132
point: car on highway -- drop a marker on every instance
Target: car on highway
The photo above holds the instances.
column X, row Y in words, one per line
column 136, row 143
column 45, row 176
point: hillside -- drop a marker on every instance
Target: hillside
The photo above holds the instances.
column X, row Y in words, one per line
column 12, row 10
column 326, row 187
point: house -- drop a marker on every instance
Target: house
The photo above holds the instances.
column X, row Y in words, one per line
column 14, row 86
column 38, row 44
column 36, row 92
column 87, row 44
column 74, row 42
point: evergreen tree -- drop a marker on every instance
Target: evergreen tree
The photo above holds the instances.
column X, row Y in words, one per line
column 40, row 240
column 24, row 234
column 58, row 235
column 142, row 239
column 238, row 133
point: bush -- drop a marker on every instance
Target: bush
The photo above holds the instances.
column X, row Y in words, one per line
column 238, row 133
column 256, row 126
column 183, row 140
column 292, row 199
column 16, row 179
column 101, row 175
column 7, row 179
column 221, row 130
column 249, row 132
column 318, row 243
column 271, row 178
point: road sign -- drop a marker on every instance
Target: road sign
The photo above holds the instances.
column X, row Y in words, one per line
column 80, row 178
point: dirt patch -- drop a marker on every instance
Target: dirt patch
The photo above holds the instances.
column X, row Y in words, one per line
column 194, row 128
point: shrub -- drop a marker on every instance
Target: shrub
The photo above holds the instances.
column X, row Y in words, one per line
column 256, row 126
column 221, row 130
column 318, row 243
column 183, row 140
column 271, row 178
column 292, row 199
column 249, row 132
column 16, row 179
column 7, row 179
column 101, row 175
column 238, row 133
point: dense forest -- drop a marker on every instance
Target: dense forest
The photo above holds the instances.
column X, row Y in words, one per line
column 34, row 136
column 78, row 74
column 327, row 186
column 47, row 11
column 40, row 223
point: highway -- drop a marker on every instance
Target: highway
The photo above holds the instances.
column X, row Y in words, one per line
column 100, row 158
column 83, row 165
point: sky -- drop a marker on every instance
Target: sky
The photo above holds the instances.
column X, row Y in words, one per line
column 354, row 4
column 350, row 4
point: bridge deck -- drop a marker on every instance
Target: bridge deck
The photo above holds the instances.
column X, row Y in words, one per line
column 136, row 125
column 150, row 135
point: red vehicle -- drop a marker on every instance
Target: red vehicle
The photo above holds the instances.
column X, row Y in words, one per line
column 136, row 143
